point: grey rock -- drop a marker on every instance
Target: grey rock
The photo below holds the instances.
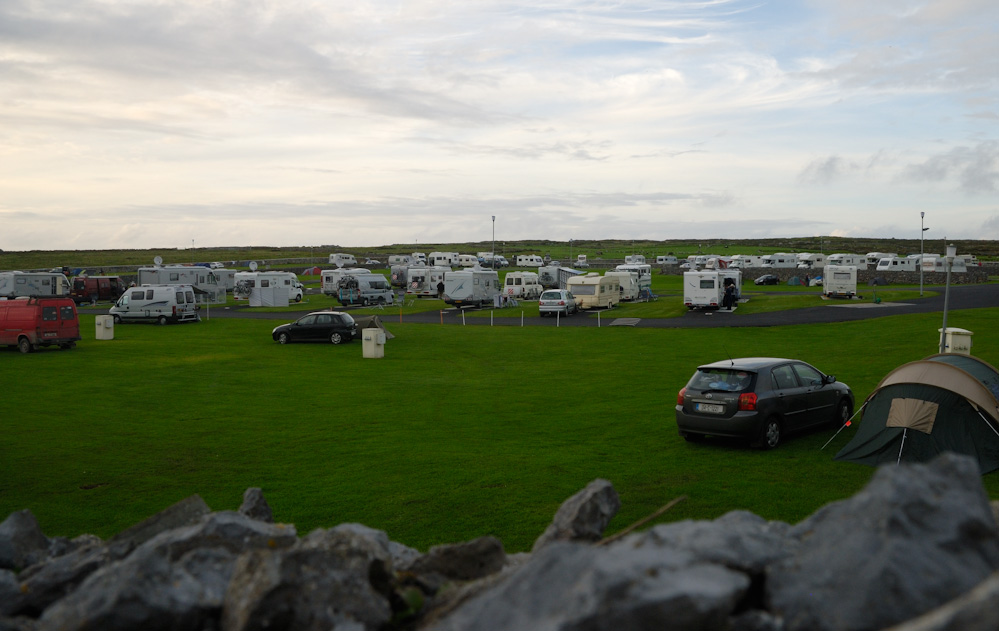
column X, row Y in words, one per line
column 584, row 516
column 974, row 611
column 255, row 506
column 755, row 620
column 44, row 583
column 461, row 561
column 916, row 537
column 402, row 554
column 19, row 623
column 10, row 589
column 22, row 542
column 224, row 529
column 578, row 587
column 59, row 546
column 183, row 513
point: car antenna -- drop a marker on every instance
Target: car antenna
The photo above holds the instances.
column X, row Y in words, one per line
column 727, row 354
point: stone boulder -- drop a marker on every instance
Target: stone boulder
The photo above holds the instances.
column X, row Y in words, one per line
column 584, row 516
column 22, row 542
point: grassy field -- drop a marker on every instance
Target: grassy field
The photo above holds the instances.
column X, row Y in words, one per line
column 458, row 432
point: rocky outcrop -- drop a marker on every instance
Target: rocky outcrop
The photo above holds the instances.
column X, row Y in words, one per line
column 916, row 550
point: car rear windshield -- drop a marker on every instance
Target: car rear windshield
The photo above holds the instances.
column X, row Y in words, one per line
column 551, row 295
column 725, row 379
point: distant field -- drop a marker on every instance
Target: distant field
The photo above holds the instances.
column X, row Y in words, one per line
column 458, row 432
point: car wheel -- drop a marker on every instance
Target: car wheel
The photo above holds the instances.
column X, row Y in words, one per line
column 298, row 299
column 24, row 345
column 364, row 302
column 117, row 319
column 336, row 338
column 161, row 320
column 283, row 338
column 770, row 434
column 843, row 413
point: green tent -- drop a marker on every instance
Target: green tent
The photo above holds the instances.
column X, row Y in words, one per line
column 947, row 402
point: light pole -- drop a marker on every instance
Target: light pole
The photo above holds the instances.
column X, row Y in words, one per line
column 922, row 230
column 570, row 251
column 493, row 261
column 951, row 253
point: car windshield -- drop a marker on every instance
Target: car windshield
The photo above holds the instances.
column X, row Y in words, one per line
column 726, row 379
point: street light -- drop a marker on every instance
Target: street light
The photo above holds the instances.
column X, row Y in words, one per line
column 493, row 262
column 922, row 229
column 951, row 253
column 570, row 251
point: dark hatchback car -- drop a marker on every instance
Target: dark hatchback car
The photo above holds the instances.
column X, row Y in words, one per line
column 767, row 279
column 760, row 399
column 319, row 326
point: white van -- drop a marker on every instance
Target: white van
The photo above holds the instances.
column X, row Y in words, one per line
column 581, row 261
column 593, row 291
column 839, row 281
column 364, row 288
column 475, row 286
column 156, row 303
column 706, row 288
column 529, row 260
column 343, row 260
column 524, row 285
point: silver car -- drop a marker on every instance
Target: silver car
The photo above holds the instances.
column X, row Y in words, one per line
column 559, row 301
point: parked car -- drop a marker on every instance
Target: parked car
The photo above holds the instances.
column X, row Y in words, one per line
column 767, row 279
column 760, row 399
column 557, row 301
column 318, row 326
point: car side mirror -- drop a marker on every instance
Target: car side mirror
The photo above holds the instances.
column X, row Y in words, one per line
column 829, row 379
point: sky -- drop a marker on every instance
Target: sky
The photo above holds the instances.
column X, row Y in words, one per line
column 211, row 123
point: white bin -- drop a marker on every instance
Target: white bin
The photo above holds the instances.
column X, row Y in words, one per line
column 105, row 327
column 373, row 343
column 956, row 340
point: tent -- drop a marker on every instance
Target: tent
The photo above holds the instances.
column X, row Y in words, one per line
column 947, row 402
column 372, row 322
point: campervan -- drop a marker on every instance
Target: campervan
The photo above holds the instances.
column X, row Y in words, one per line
column 745, row 261
column 811, row 261
column 581, row 261
column 419, row 258
column 341, row 259
column 28, row 323
column 779, row 260
column 839, row 281
column 523, row 285
column 156, row 303
column 666, row 260
column 593, row 291
column 94, row 288
column 706, row 288
column 529, row 260
column 548, row 276
column 423, row 281
column 896, row 264
column 634, row 259
column 399, row 259
column 268, row 289
column 873, row 258
column 33, row 284
column 443, row 259
column 857, row 260
column 473, row 286
column 360, row 287
column 467, row 260
column 628, row 284
column 203, row 279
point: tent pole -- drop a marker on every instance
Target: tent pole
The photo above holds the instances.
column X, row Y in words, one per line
column 904, row 430
column 987, row 421
column 844, row 426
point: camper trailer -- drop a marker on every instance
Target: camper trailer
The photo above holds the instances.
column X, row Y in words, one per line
column 529, row 260
column 419, row 258
column 475, row 286
column 467, row 260
column 33, row 284
column 268, row 289
column 745, row 261
column 779, row 260
column 423, row 281
column 811, row 261
column 873, row 258
column 523, row 285
column 156, row 303
column 896, row 264
column 363, row 288
column 341, row 259
column 667, row 260
column 28, row 323
column 933, row 263
column 644, row 272
column 839, row 281
column 705, row 289
column 204, row 280
column 628, row 282
column 94, row 288
column 634, row 259
column 443, row 259
column 593, row 291
column 857, row 260
column 581, row 261
column 400, row 259
column 717, row 262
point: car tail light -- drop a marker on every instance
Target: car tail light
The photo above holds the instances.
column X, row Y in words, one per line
column 561, row 303
column 747, row 401
column 680, row 395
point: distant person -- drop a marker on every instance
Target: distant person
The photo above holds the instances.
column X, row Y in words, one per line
column 729, row 300
column 440, row 289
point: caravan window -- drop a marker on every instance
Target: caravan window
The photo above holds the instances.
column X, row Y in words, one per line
column 50, row 314
column 66, row 313
column 707, row 283
column 264, row 282
column 138, row 295
column 174, row 276
column 584, row 290
column 190, row 297
column 180, row 297
column 149, row 294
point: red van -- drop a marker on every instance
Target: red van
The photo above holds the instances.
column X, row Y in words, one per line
column 28, row 323
column 94, row 288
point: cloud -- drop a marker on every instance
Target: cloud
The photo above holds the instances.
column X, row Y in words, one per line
column 975, row 168
column 828, row 170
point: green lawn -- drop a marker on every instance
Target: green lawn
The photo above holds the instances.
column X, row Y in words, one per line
column 458, row 432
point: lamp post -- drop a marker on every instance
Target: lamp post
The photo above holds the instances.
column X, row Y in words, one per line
column 493, row 261
column 570, row 251
column 922, row 230
column 951, row 253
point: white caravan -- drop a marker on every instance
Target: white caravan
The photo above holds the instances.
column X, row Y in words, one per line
column 524, row 285
column 896, row 264
column 423, row 281
column 548, row 276
column 779, row 260
column 810, row 260
column 331, row 278
column 873, row 258
column 474, row 286
column 706, row 288
column 581, row 261
column 839, row 281
column 857, row 260
column 419, row 258
column 467, row 260
column 628, row 282
column 156, row 303
column 644, row 272
column 529, row 260
column 593, row 291
column 745, row 261
column 33, row 284
column 399, row 259
column 667, row 260
column 204, row 280
column 268, row 289
column 634, row 259
column 717, row 262
column 443, row 259
column 341, row 259
column 932, row 263
column 359, row 287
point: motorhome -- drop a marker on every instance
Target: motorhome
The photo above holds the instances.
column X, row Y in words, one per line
column 873, row 258
column 341, row 259
column 156, row 303
column 644, row 272
column 896, row 264
column 745, row 261
column 360, row 287
column 857, row 260
column 423, row 281
column 811, row 261
column 529, row 260
column 524, row 285
column 548, row 276
column 779, row 260
column 581, row 261
column 705, row 289
column 839, row 281
column 443, row 259
column 474, row 286
column 634, row 259
column 94, row 288
column 467, row 260
column 398, row 274
column 399, row 259
column 717, row 262
column 628, row 282
column 667, row 260
column 419, row 258
column 29, row 323
column 33, row 284
column 268, row 289
column 593, row 291
column 933, row 263
column 204, row 280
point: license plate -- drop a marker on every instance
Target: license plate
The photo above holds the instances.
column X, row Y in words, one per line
column 710, row 408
